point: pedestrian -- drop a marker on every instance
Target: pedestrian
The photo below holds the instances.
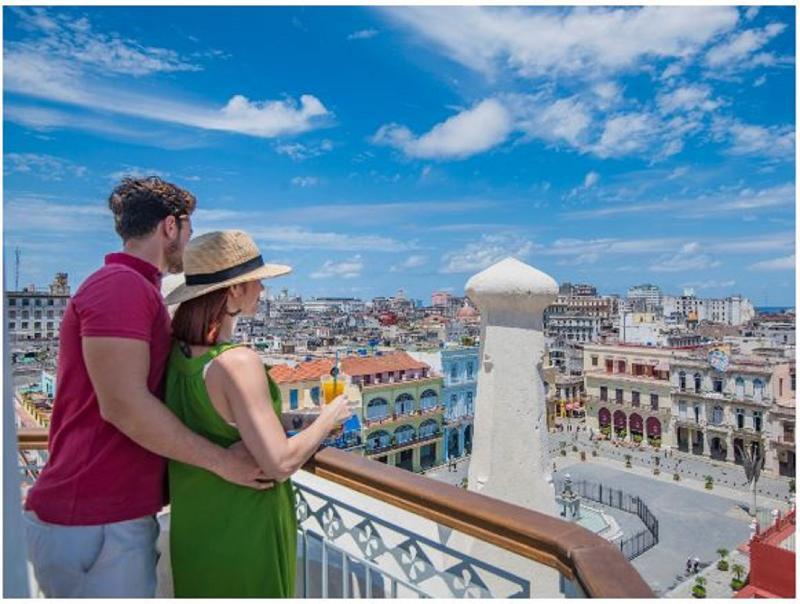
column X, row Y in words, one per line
column 110, row 433
column 696, row 565
column 554, row 467
column 688, row 565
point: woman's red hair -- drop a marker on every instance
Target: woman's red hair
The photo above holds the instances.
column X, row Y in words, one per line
column 197, row 321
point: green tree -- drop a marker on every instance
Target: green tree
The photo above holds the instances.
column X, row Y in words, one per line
column 723, row 563
column 738, row 571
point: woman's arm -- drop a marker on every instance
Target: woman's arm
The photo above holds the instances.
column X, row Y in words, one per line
column 246, row 390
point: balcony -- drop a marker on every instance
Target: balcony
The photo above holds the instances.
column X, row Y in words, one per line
column 729, row 397
column 395, row 446
column 399, row 382
column 387, row 420
column 371, row 530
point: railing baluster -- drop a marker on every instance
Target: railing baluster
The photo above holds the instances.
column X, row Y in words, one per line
column 345, row 575
column 306, row 565
column 369, row 581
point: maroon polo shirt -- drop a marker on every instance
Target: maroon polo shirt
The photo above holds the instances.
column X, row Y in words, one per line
column 95, row 474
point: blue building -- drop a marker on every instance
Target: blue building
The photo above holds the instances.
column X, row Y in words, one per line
column 460, row 371
column 458, row 365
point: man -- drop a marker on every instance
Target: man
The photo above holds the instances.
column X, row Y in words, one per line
column 90, row 517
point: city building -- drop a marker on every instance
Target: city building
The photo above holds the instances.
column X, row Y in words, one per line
column 564, row 395
column 36, row 313
column 647, row 297
column 772, row 560
column 723, row 402
column 733, row 310
column 628, row 391
column 334, row 305
column 402, row 411
column 578, row 314
column 458, row 365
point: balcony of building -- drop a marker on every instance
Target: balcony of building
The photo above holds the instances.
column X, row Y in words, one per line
column 366, row 530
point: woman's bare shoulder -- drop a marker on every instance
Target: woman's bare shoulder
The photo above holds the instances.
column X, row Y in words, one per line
column 238, row 360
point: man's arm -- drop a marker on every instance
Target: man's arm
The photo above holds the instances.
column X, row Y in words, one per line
column 118, row 369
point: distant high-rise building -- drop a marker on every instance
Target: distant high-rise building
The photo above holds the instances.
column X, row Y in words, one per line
column 35, row 313
column 650, row 296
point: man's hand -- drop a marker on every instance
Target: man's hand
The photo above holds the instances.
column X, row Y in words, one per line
column 239, row 467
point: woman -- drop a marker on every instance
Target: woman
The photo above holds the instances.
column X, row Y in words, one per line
column 227, row 540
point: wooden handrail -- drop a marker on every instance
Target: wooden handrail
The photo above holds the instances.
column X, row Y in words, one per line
column 577, row 553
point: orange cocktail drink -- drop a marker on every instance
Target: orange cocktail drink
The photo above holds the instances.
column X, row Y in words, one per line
column 331, row 388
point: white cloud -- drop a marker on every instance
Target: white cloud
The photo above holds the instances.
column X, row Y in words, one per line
column 689, row 258
column 554, row 121
column 300, row 151
column 769, row 198
column 786, row 263
column 739, row 50
column 687, row 98
column 590, row 179
column 35, row 215
column 305, row 181
column 584, row 42
column 56, row 34
column 749, row 139
column 346, row 269
column 481, row 254
column 363, row 34
column 45, row 167
column 627, row 133
column 413, row 261
column 471, row 131
column 64, row 71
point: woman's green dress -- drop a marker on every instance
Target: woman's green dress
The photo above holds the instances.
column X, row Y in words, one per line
column 226, row 541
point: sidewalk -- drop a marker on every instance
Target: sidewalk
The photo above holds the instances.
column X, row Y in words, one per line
column 718, row 582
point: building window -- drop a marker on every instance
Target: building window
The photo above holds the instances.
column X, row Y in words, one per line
column 682, row 409
column 470, row 410
column 682, row 381
column 26, row 302
column 697, row 414
column 12, row 301
column 25, row 314
column 24, row 325
column 758, row 389
column 470, row 370
column 718, row 385
column 740, row 418
column 453, row 373
column 12, row 314
column 739, row 387
column 603, row 393
column 635, row 398
column 377, row 409
column 780, row 386
column 37, row 302
column 50, row 302
column 618, row 395
column 698, row 382
column 293, row 398
column 37, row 325
column 315, row 395
column 49, row 325
column 594, row 360
column 717, row 415
column 12, row 325
column 757, row 421
column 654, row 402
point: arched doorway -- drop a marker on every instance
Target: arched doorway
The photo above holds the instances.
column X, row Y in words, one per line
column 619, row 423
column 653, row 430
column 452, row 444
column 786, row 463
column 682, row 437
column 604, row 421
column 378, row 440
column 468, row 439
column 718, row 450
column 698, row 443
column 637, row 427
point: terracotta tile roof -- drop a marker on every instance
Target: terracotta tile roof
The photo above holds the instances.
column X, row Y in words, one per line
column 396, row 361
column 311, row 370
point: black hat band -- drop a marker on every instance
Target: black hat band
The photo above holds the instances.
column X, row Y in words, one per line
column 225, row 274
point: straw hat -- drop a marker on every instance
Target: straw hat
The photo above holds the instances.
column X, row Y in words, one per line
column 218, row 260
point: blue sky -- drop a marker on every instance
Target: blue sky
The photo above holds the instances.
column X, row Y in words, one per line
column 380, row 148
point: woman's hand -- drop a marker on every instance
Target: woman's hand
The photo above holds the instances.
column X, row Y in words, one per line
column 337, row 411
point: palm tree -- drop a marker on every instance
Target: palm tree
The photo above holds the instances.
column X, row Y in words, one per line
column 738, row 570
column 723, row 563
column 700, row 581
column 752, row 461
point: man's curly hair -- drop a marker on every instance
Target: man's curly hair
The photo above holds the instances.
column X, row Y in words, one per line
column 139, row 204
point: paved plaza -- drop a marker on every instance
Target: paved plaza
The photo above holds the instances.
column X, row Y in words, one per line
column 693, row 521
